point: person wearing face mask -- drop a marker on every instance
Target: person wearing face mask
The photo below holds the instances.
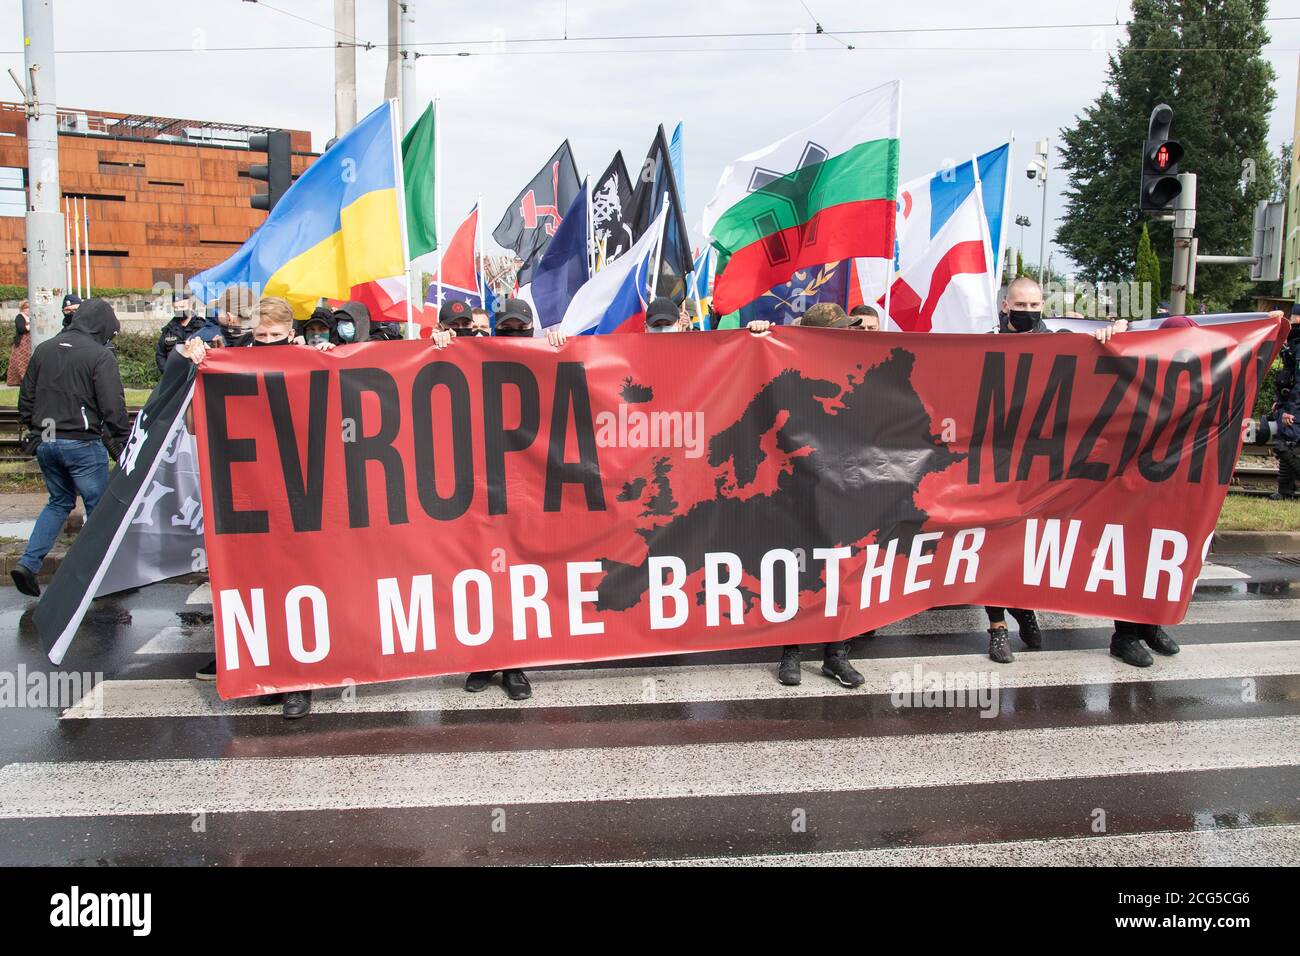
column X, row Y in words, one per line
column 319, row 328
column 1022, row 312
column 515, row 320
column 480, row 323
column 70, row 305
column 662, row 315
column 186, row 320
column 230, row 322
column 1286, row 413
column 351, row 323
column 454, row 316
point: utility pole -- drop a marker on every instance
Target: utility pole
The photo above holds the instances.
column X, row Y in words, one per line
column 394, row 45
column 1184, row 226
column 345, row 66
column 1042, row 163
column 46, row 249
column 410, row 109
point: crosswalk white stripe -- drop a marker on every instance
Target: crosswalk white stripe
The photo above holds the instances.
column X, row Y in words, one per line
column 1240, row 846
column 951, row 621
column 596, row 687
column 1221, row 572
column 201, row 594
column 179, row 639
column 635, row 773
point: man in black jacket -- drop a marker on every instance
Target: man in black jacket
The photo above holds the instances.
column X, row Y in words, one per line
column 72, row 399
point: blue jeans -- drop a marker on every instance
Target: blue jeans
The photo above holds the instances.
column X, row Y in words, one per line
column 71, row 469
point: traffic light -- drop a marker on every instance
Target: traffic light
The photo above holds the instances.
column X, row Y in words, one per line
column 275, row 172
column 1160, row 156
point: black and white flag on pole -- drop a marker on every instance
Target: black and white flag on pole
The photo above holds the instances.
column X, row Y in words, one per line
column 147, row 527
column 611, row 201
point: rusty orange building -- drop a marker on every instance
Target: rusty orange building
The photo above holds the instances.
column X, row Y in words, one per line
column 162, row 196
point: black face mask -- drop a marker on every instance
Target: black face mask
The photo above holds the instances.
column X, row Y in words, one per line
column 1022, row 320
column 515, row 333
column 462, row 330
column 235, row 336
column 284, row 341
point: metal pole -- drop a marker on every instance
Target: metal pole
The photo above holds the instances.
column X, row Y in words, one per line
column 410, row 115
column 1184, row 226
column 46, row 249
column 85, row 240
column 76, row 243
column 345, row 66
column 391, row 69
column 1042, row 235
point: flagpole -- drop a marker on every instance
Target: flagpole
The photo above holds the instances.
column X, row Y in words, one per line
column 437, row 189
column 394, row 128
column 659, row 251
column 67, row 246
column 591, row 235
column 76, row 242
column 85, row 217
column 985, row 236
column 1006, row 208
column 478, row 251
column 889, row 269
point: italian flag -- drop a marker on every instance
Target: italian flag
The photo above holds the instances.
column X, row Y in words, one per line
column 819, row 195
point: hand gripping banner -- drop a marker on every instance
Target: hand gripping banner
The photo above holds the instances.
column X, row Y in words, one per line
column 389, row 511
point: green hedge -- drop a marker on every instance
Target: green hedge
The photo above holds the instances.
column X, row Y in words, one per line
column 11, row 292
column 135, row 352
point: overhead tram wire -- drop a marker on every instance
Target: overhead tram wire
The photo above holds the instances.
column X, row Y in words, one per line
column 507, row 41
column 344, row 38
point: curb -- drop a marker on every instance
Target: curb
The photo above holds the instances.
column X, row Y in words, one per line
column 1256, row 542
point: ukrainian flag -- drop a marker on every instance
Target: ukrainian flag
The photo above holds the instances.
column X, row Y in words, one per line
column 339, row 225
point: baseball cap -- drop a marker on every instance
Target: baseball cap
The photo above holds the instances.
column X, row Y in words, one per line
column 824, row 315
column 661, row 308
column 516, row 309
column 453, row 310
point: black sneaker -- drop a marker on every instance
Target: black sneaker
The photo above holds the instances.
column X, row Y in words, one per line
column 1159, row 641
column 25, row 581
column 478, row 681
column 837, row 666
column 790, row 673
column 999, row 646
column 208, row 671
column 1130, row 650
column 1278, row 496
column 516, row 684
column 1029, row 632
column 297, row 703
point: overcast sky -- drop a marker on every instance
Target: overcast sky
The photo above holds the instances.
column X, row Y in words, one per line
column 505, row 109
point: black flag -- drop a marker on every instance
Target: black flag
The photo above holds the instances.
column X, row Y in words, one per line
column 537, row 211
column 147, row 525
column 654, row 181
column 611, row 203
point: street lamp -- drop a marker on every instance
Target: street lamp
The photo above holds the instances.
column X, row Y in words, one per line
column 1022, row 221
column 1037, row 169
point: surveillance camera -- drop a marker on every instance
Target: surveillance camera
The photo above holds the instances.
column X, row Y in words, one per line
column 1031, row 171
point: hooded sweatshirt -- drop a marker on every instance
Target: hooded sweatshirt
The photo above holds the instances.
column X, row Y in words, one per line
column 359, row 315
column 72, row 380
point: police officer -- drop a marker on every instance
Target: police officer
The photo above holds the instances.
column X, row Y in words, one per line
column 185, row 321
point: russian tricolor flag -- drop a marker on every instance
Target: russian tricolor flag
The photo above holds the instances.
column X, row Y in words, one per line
column 614, row 300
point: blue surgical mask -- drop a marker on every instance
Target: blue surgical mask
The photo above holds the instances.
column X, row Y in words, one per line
column 347, row 331
column 671, row 327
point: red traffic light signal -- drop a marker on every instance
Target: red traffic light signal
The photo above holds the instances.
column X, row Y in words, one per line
column 1160, row 158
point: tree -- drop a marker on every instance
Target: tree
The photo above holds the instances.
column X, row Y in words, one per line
column 1147, row 271
column 1203, row 58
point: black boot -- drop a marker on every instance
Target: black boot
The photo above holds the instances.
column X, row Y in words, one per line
column 478, row 681
column 516, row 684
column 1129, row 649
column 790, row 673
column 836, row 665
column 25, row 581
column 999, row 646
column 297, row 703
column 1159, row 641
column 1029, row 632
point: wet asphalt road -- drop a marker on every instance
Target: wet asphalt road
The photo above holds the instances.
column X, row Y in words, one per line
column 1072, row 758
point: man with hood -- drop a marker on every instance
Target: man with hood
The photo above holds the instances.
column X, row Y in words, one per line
column 71, row 303
column 351, row 323
column 1286, row 411
column 185, row 321
column 71, row 405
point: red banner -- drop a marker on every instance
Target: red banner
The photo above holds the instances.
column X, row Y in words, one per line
column 388, row 511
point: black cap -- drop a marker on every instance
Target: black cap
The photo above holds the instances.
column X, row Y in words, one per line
column 71, row 299
column 515, row 309
column 452, row 310
column 660, row 307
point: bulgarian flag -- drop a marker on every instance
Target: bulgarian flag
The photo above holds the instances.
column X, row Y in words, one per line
column 820, row 195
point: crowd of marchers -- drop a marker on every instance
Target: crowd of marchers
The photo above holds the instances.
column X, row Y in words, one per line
column 72, row 405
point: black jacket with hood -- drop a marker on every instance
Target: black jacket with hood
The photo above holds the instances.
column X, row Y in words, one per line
column 73, row 381
column 358, row 315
